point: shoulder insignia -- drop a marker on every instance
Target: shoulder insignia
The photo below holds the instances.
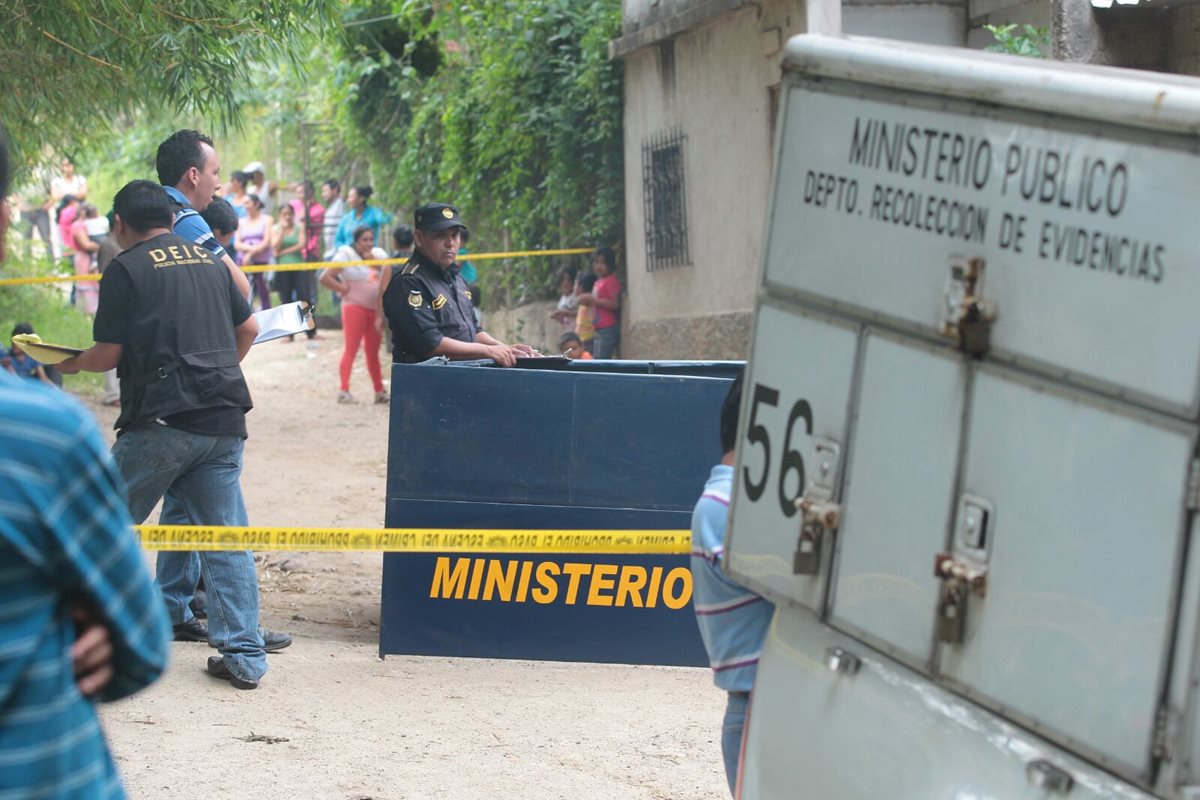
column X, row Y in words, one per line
column 438, row 302
column 467, row 292
column 410, row 268
column 415, row 299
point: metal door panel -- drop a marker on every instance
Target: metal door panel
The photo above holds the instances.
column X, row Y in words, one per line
column 891, row 231
column 885, row 732
column 809, row 359
column 1084, row 546
column 898, row 495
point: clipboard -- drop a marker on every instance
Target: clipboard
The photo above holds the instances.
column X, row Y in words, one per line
column 284, row 320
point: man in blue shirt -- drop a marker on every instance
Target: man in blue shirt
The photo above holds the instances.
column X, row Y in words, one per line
column 190, row 172
column 733, row 620
column 79, row 615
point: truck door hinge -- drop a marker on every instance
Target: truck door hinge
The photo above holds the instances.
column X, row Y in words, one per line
column 1164, row 733
column 1193, row 486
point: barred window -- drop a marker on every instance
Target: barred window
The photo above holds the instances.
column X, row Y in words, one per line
column 666, row 210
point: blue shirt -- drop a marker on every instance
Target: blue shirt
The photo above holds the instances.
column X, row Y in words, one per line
column 733, row 620
column 352, row 220
column 65, row 538
column 193, row 227
column 25, row 366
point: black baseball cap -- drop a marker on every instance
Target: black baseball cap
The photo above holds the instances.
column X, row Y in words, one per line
column 438, row 217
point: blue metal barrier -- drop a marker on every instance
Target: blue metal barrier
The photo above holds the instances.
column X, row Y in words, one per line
column 584, row 445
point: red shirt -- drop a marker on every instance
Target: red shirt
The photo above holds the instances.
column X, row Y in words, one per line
column 607, row 288
column 316, row 222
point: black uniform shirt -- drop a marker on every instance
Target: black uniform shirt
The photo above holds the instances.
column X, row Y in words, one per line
column 425, row 304
column 192, row 304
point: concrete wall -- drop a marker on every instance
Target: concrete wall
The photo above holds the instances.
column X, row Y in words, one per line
column 1119, row 38
column 530, row 324
column 941, row 22
column 715, row 85
column 1183, row 40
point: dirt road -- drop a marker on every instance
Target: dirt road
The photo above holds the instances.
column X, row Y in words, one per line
column 333, row 720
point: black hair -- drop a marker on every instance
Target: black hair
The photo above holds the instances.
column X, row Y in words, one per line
column 569, row 336
column 402, row 236
column 476, row 294
column 220, row 216
column 178, row 153
column 306, row 186
column 143, row 205
column 587, row 281
column 610, row 258
column 22, row 328
column 361, row 229
column 333, row 183
column 566, row 272
column 729, row 415
column 463, row 234
column 239, row 176
column 364, row 192
column 257, row 200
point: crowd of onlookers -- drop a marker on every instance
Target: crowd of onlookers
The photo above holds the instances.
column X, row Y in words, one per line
column 589, row 308
column 261, row 229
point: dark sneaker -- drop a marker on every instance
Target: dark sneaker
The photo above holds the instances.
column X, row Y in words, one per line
column 274, row 641
column 218, row 669
column 191, row 631
column 199, row 604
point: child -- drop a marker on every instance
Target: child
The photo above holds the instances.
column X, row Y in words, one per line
column 605, row 299
column 20, row 363
column 571, row 347
column 568, row 306
column 584, row 325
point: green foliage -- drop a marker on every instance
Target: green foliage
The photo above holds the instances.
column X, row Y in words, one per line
column 71, row 68
column 46, row 306
column 517, row 120
column 1020, row 40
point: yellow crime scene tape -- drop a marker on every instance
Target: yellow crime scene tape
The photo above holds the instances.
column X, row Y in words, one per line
column 311, row 265
column 416, row 540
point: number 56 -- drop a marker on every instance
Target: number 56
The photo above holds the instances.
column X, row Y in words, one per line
column 792, row 461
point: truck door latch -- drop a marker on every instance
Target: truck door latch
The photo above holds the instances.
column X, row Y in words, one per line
column 819, row 514
column 959, row 579
column 966, row 315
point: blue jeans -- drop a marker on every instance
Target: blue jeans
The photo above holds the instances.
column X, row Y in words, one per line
column 178, row 571
column 605, row 343
column 731, row 735
column 202, row 474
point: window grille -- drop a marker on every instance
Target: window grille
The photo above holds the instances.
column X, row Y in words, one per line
column 666, row 209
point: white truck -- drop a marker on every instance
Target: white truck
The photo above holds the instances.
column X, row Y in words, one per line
column 967, row 468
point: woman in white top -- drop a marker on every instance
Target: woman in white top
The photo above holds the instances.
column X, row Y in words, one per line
column 358, row 286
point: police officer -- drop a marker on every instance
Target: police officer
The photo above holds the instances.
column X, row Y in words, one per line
column 428, row 305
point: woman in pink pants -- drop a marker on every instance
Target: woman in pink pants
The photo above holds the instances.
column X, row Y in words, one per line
column 359, row 287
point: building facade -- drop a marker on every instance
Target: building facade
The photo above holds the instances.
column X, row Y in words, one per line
column 701, row 97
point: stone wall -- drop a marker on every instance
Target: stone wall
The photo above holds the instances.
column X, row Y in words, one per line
column 529, row 323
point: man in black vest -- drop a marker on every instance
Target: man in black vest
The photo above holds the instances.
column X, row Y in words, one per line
column 176, row 328
column 428, row 305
